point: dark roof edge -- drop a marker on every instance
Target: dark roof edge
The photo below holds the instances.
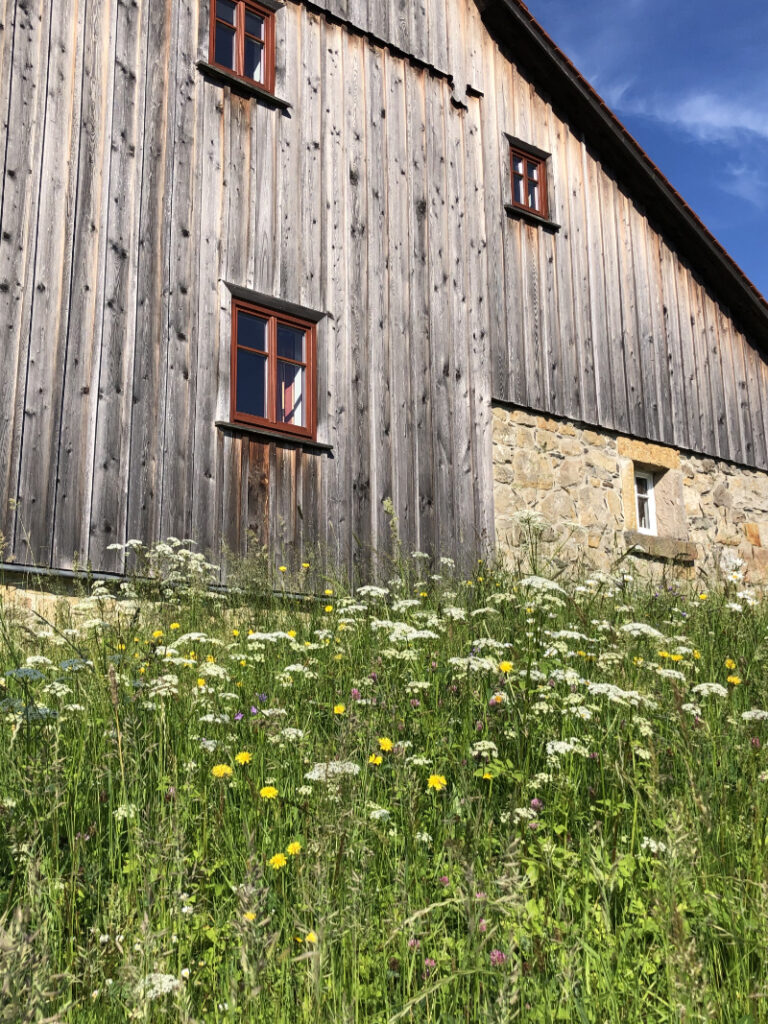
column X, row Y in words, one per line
column 511, row 19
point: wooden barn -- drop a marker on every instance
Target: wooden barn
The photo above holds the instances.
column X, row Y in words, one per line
column 272, row 272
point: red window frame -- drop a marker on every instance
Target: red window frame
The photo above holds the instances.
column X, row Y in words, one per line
column 268, row 41
column 534, row 169
column 270, row 421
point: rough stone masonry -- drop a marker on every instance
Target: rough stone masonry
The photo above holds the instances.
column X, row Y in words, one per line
column 580, row 482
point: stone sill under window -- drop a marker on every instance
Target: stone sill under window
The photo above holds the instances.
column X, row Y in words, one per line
column 667, row 548
column 264, row 434
column 242, row 85
column 531, row 217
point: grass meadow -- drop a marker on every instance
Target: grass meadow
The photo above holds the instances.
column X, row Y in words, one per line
column 503, row 798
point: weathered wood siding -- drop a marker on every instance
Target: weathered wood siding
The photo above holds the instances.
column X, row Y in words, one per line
column 134, row 189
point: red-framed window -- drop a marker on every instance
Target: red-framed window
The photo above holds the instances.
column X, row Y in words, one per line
column 529, row 181
column 243, row 40
column 274, row 379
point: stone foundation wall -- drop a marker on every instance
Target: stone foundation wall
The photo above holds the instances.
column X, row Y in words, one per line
column 580, row 482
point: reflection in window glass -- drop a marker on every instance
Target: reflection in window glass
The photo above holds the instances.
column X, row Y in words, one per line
column 224, row 53
column 251, row 383
column 251, row 331
column 253, row 67
column 254, row 25
column 290, row 343
column 290, row 393
column 226, row 11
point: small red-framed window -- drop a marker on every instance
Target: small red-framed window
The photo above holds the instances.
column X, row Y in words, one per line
column 243, row 40
column 529, row 181
column 274, row 380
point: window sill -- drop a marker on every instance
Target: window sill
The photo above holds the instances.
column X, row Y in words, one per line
column 667, row 548
column 241, row 85
column 533, row 218
column 265, row 434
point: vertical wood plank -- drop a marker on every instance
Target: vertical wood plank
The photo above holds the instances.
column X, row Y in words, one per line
column 79, row 396
column 184, row 231
column 21, row 194
column 111, row 455
column 440, row 315
column 377, row 323
column 402, row 347
column 503, row 307
column 51, row 289
column 421, row 364
column 150, row 370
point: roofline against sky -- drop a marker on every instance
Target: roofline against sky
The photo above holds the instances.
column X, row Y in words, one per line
column 745, row 300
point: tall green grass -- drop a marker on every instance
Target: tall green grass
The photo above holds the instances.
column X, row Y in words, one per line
column 531, row 812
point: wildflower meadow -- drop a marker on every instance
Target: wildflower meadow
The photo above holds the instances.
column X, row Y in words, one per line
column 441, row 799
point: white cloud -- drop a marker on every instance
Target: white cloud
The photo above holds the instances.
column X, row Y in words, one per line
column 747, row 183
column 705, row 116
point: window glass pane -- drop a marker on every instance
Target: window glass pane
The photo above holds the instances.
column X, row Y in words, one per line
column 224, row 53
column 251, row 383
column 533, row 195
column 533, row 171
column 253, row 65
column 517, row 184
column 290, row 394
column 251, row 331
column 643, row 513
column 290, row 343
column 226, row 11
column 641, row 484
column 517, row 164
column 254, row 25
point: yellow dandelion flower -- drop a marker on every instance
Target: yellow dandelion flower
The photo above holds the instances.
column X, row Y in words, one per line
column 305, row 565
column 730, row 663
column 375, row 759
column 210, row 659
column 311, row 937
column 293, row 849
column 157, row 634
column 697, row 655
column 201, row 682
column 268, row 793
column 243, row 663
column 121, row 647
column 505, row 666
column 338, row 657
column 328, row 592
column 339, row 709
column 235, row 632
column 175, row 625
column 249, row 915
column 283, row 568
column 243, row 757
column 328, row 609
column 703, row 597
column 385, row 744
column 437, row 782
column 221, row 771
column 277, row 862
column 676, row 657
column 292, row 633
column 734, row 680
column 663, row 654
column 487, row 775
column 423, row 593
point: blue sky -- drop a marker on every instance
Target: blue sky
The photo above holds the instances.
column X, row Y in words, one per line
column 689, row 80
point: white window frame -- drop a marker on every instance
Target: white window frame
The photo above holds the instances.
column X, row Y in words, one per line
column 644, row 474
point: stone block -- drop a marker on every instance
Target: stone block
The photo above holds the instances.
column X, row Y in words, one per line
column 533, row 470
column 752, row 532
column 722, row 497
column 570, row 472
